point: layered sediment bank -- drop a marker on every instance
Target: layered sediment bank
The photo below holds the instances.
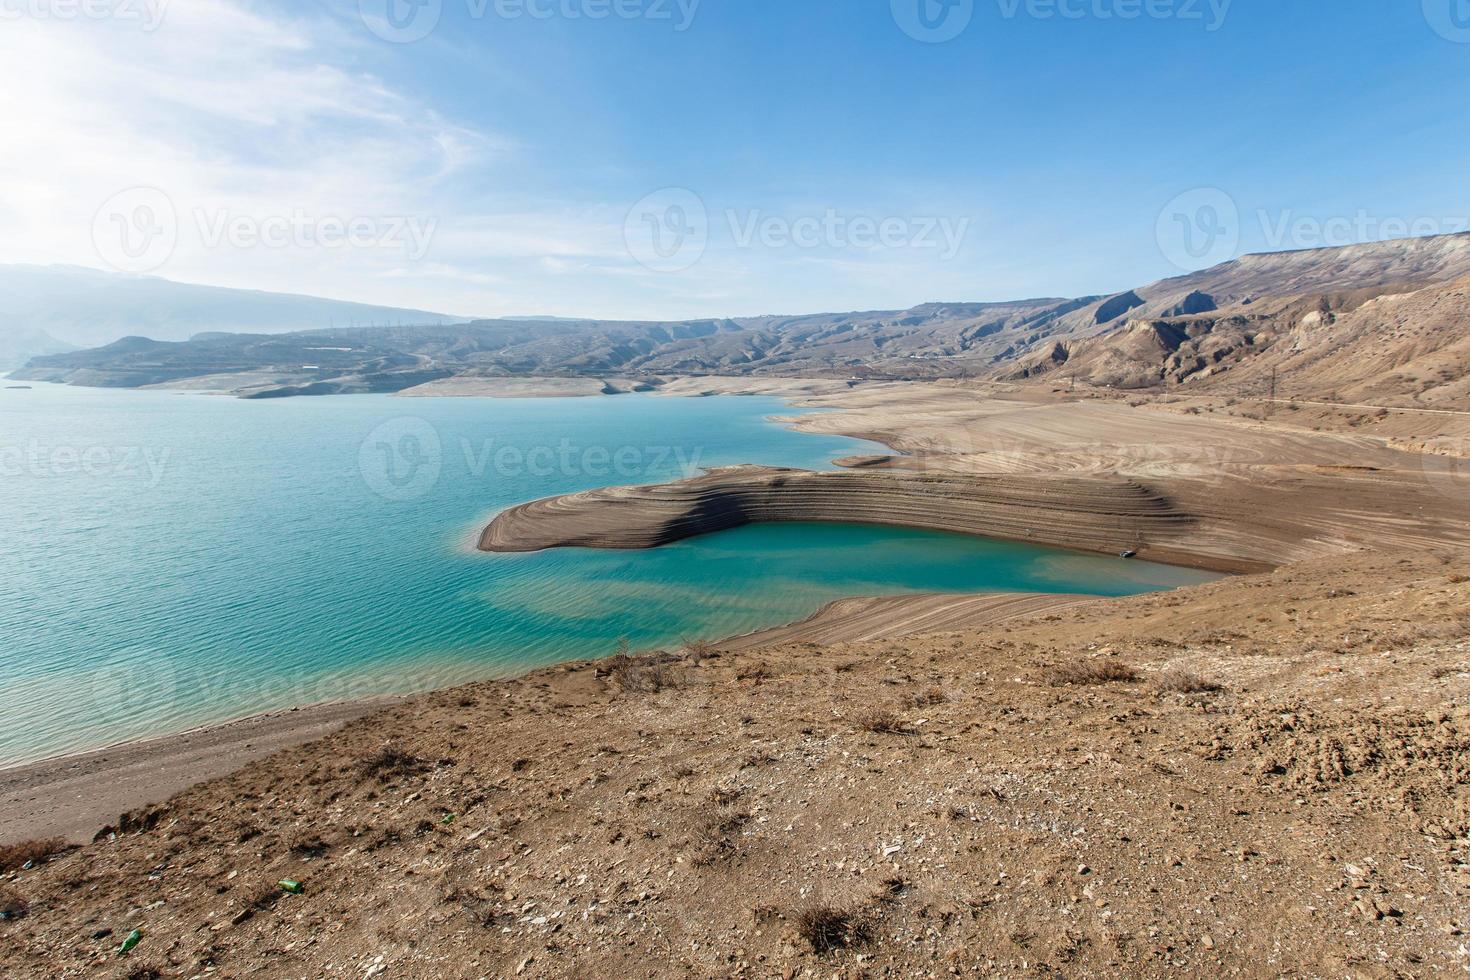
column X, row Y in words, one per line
column 1097, row 514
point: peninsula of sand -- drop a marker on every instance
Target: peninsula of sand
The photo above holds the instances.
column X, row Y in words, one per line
column 1185, row 482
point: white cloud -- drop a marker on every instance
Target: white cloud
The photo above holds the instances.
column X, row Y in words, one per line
column 232, row 113
column 263, row 122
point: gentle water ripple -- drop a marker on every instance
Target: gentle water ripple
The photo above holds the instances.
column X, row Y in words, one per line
column 218, row 557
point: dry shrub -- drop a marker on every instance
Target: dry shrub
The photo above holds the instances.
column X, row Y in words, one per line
column 12, row 905
column 1187, row 682
column 644, row 675
column 13, row 857
column 724, row 796
column 755, row 672
column 1090, row 673
column 391, row 761
column 826, row 928
column 699, row 649
column 883, row 722
column 715, row 842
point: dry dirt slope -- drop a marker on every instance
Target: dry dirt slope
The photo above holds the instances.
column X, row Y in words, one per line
column 1059, row 796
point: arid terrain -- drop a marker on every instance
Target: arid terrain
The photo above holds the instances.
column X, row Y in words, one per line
column 1262, row 776
column 1267, row 775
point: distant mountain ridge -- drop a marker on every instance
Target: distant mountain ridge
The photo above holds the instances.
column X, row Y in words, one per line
column 18, row 345
column 1390, row 317
column 86, row 307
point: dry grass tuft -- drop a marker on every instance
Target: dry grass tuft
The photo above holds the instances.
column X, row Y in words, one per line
column 1090, row 673
column 1187, row 682
column 717, row 841
column 725, row 795
column 392, row 761
column 14, row 857
column 826, row 928
column 883, row 723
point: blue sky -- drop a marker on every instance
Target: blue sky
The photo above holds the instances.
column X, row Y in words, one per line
column 683, row 158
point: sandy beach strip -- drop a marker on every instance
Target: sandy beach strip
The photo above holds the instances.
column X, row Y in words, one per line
column 74, row 796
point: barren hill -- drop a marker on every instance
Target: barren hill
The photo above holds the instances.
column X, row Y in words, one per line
column 1386, row 319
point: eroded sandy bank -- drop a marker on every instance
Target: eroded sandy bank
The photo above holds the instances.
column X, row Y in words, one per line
column 1103, row 515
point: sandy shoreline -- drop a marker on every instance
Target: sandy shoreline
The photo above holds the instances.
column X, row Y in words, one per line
column 1239, row 497
column 75, row 795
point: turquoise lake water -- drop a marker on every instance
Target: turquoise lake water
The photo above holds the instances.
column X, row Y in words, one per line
column 171, row 559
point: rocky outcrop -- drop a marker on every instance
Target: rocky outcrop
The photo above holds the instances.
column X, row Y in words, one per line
column 1117, row 306
column 1100, row 515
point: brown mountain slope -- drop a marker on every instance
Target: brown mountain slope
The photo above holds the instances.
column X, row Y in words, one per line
column 1399, row 348
column 1395, row 342
column 1187, row 328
